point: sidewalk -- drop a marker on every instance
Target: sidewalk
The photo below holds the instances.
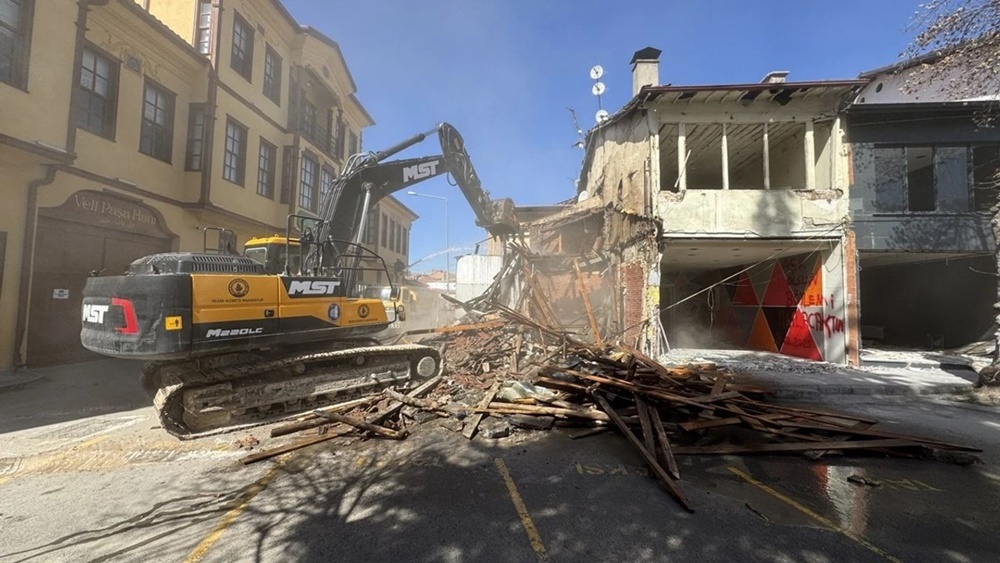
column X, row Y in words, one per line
column 793, row 378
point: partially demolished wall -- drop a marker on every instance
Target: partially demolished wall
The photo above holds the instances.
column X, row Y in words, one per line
column 585, row 271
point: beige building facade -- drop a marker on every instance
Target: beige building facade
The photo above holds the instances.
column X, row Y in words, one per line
column 127, row 126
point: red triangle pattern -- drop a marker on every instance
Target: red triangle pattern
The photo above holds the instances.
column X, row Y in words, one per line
column 779, row 293
column 799, row 340
column 745, row 295
column 760, row 335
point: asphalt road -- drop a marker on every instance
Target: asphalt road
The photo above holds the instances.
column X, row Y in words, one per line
column 113, row 487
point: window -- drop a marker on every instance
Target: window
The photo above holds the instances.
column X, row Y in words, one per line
column 156, row 138
column 309, row 121
column 266, row 163
column 392, row 235
column 196, row 137
column 15, row 38
column 371, row 230
column 235, row 157
column 326, row 179
column 385, row 231
column 344, row 144
column 406, row 242
column 920, row 194
column 242, row 57
column 353, row 147
column 272, row 75
column 399, row 239
column 307, row 183
column 985, row 170
column 203, row 31
column 97, row 94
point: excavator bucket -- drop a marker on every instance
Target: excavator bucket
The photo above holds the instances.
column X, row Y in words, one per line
column 503, row 220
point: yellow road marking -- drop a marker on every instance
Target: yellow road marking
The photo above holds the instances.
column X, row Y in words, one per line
column 92, row 441
column 522, row 512
column 5, row 479
column 824, row 521
column 227, row 520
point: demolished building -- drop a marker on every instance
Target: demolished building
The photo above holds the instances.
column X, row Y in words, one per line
column 748, row 184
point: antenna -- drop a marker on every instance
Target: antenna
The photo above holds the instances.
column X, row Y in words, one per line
column 598, row 89
column 579, row 132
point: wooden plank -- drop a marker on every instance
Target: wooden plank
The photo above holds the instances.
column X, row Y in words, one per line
column 646, row 424
column 586, row 303
column 512, row 408
column 381, row 417
column 667, row 481
column 457, row 328
column 728, row 449
column 363, row 425
column 312, row 421
column 665, row 450
column 876, row 434
column 470, row 427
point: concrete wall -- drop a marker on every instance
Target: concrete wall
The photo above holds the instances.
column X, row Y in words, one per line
column 474, row 274
column 762, row 213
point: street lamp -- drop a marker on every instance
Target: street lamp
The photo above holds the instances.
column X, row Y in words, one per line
column 447, row 240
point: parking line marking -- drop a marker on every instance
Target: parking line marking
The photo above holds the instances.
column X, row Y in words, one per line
column 227, row 520
column 522, row 512
column 822, row 520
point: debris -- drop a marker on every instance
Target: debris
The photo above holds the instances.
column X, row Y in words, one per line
column 493, row 429
column 755, row 511
column 249, row 442
column 862, row 480
column 529, row 422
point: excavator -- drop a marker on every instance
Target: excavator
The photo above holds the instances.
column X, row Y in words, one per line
column 234, row 340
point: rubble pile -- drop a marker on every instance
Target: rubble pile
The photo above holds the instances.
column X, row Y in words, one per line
column 511, row 368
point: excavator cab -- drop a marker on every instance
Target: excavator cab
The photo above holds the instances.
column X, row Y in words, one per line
column 271, row 252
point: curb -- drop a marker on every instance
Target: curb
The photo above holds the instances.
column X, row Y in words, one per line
column 818, row 391
column 16, row 382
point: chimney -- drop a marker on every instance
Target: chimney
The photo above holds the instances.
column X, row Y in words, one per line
column 645, row 69
column 775, row 76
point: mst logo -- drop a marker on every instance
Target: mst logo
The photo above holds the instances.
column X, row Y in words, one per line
column 422, row 170
column 312, row 287
column 224, row 332
column 94, row 313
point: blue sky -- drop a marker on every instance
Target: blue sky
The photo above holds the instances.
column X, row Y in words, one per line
column 503, row 73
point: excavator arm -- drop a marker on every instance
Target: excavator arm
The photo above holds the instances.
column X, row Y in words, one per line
column 367, row 178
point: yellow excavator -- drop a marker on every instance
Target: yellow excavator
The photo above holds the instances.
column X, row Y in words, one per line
column 237, row 340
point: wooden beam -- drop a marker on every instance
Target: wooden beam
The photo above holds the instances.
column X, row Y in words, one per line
column 667, row 481
column 725, row 156
column 767, row 160
column 809, row 145
column 470, row 427
column 681, row 156
column 586, row 303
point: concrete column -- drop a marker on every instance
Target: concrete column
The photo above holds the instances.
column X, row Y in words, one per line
column 767, row 161
column 835, row 150
column 725, row 157
column 681, row 157
column 810, row 156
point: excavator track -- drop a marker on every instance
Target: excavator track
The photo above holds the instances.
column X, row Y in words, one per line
column 228, row 392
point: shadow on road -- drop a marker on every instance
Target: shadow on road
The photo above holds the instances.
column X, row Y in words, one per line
column 72, row 392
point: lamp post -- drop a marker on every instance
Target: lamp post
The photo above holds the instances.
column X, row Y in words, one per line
column 447, row 240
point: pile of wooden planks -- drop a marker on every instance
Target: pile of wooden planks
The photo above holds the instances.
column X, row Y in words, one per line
column 669, row 411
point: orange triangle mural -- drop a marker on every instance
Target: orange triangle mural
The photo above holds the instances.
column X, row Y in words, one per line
column 760, row 335
column 779, row 294
column 745, row 295
column 799, row 340
column 813, row 296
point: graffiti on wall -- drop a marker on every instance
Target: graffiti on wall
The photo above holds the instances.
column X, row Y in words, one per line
column 780, row 307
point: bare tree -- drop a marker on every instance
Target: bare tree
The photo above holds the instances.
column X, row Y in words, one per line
column 958, row 44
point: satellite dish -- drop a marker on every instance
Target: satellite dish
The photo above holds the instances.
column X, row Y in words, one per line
column 598, row 88
column 601, row 116
column 596, row 72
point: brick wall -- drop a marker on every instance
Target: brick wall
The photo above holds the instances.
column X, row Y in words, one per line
column 633, row 284
column 852, row 299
